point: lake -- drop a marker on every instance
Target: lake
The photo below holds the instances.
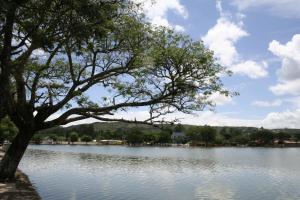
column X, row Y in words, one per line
column 122, row 173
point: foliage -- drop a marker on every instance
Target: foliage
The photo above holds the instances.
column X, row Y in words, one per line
column 74, row 137
column 37, row 138
column 225, row 133
column 135, row 136
column 179, row 128
column 7, row 130
column 263, row 136
column 241, row 139
column 164, row 136
column 151, row 137
column 61, row 139
column 297, row 137
column 53, row 137
column 86, row 138
column 282, row 136
column 194, row 133
column 206, row 134
column 106, row 44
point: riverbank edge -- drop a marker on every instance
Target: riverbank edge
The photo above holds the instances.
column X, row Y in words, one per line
column 19, row 189
column 297, row 145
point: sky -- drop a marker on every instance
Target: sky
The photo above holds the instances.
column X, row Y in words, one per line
column 258, row 40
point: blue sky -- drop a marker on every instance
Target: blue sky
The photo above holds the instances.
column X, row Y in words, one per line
column 258, row 40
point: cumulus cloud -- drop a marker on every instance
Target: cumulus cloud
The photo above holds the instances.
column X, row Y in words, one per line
column 286, row 119
column 220, row 99
column 294, row 101
column 287, row 87
column 200, row 118
column 251, row 68
column 215, row 98
column 275, row 103
column 222, row 39
column 39, row 53
column 289, row 73
column 157, row 11
column 282, row 8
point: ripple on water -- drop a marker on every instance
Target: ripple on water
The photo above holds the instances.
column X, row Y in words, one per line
column 229, row 173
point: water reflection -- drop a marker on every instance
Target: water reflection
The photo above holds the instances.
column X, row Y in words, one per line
column 82, row 172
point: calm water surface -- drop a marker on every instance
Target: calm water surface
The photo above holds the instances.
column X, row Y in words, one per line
column 122, row 173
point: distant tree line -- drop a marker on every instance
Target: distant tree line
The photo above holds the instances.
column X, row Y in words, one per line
column 226, row 136
column 194, row 135
column 132, row 136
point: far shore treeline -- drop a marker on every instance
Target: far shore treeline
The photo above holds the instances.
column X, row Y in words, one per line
column 137, row 134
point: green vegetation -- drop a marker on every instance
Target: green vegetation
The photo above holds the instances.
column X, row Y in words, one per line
column 8, row 130
column 73, row 137
column 86, row 138
column 137, row 134
column 263, row 136
column 204, row 134
column 297, row 137
column 37, row 138
column 134, row 137
column 105, row 45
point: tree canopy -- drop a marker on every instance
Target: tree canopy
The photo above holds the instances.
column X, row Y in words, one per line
column 52, row 53
column 206, row 134
column 74, row 137
column 86, row 138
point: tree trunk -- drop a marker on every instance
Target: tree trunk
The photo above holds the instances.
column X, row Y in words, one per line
column 13, row 155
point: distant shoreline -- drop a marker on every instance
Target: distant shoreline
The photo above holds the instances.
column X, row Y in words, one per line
column 174, row 145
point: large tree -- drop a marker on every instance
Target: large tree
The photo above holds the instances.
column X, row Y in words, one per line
column 54, row 52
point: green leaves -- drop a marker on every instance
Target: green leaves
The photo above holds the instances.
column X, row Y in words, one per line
column 108, row 46
column 7, row 130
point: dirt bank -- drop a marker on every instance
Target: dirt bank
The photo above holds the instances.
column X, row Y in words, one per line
column 19, row 189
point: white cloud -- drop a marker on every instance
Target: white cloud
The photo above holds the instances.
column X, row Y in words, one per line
column 290, row 56
column 251, row 68
column 289, row 73
column 294, row 100
column 287, row 87
column 39, row 53
column 283, row 8
column 216, row 98
column 222, row 39
column 220, row 99
column 157, row 11
column 275, row 103
column 287, row 119
column 200, row 118
column 179, row 28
